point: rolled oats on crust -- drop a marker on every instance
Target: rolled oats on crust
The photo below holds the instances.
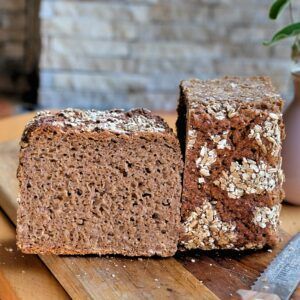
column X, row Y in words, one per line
column 249, row 177
column 231, row 131
column 267, row 216
column 206, row 158
column 270, row 131
column 205, row 230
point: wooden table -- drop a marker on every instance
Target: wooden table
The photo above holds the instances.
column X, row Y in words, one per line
column 18, row 272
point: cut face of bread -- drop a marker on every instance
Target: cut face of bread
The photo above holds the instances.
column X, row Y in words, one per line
column 99, row 182
column 231, row 132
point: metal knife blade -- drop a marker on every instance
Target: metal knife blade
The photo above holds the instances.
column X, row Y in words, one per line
column 283, row 274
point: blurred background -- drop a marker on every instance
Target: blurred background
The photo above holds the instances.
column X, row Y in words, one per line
column 117, row 53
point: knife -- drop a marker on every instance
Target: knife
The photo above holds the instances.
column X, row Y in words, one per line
column 281, row 277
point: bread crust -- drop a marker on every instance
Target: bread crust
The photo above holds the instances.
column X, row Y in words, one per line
column 231, row 130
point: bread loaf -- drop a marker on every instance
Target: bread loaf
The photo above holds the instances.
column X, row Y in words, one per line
column 231, row 132
column 95, row 182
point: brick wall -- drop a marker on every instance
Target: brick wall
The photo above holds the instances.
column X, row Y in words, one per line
column 134, row 53
column 19, row 46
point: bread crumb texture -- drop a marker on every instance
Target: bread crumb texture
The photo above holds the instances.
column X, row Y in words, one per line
column 99, row 183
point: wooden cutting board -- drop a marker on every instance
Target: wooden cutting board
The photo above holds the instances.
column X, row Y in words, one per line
column 196, row 275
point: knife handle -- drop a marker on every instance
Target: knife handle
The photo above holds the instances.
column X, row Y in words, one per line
column 253, row 295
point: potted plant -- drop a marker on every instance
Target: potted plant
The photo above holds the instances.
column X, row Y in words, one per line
column 291, row 146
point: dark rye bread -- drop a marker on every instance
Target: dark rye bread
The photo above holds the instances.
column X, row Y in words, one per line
column 99, row 182
column 231, row 132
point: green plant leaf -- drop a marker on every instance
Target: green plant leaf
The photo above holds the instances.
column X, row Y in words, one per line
column 286, row 32
column 295, row 54
column 277, row 7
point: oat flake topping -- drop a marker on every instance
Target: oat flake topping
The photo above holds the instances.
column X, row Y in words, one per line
column 206, row 158
column 192, row 135
column 249, row 178
column 114, row 120
column 222, row 110
column 205, row 230
column 270, row 130
column 223, row 97
column 247, row 89
column 221, row 140
column 267, row 215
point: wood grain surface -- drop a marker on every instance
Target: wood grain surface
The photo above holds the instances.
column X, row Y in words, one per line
column 21, row 276
column 231, row 269
column 195, row 275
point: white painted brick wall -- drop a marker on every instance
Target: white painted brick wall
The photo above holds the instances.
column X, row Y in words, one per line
column 119, row 53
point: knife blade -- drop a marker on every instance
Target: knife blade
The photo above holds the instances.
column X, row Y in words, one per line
column 281, row 276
